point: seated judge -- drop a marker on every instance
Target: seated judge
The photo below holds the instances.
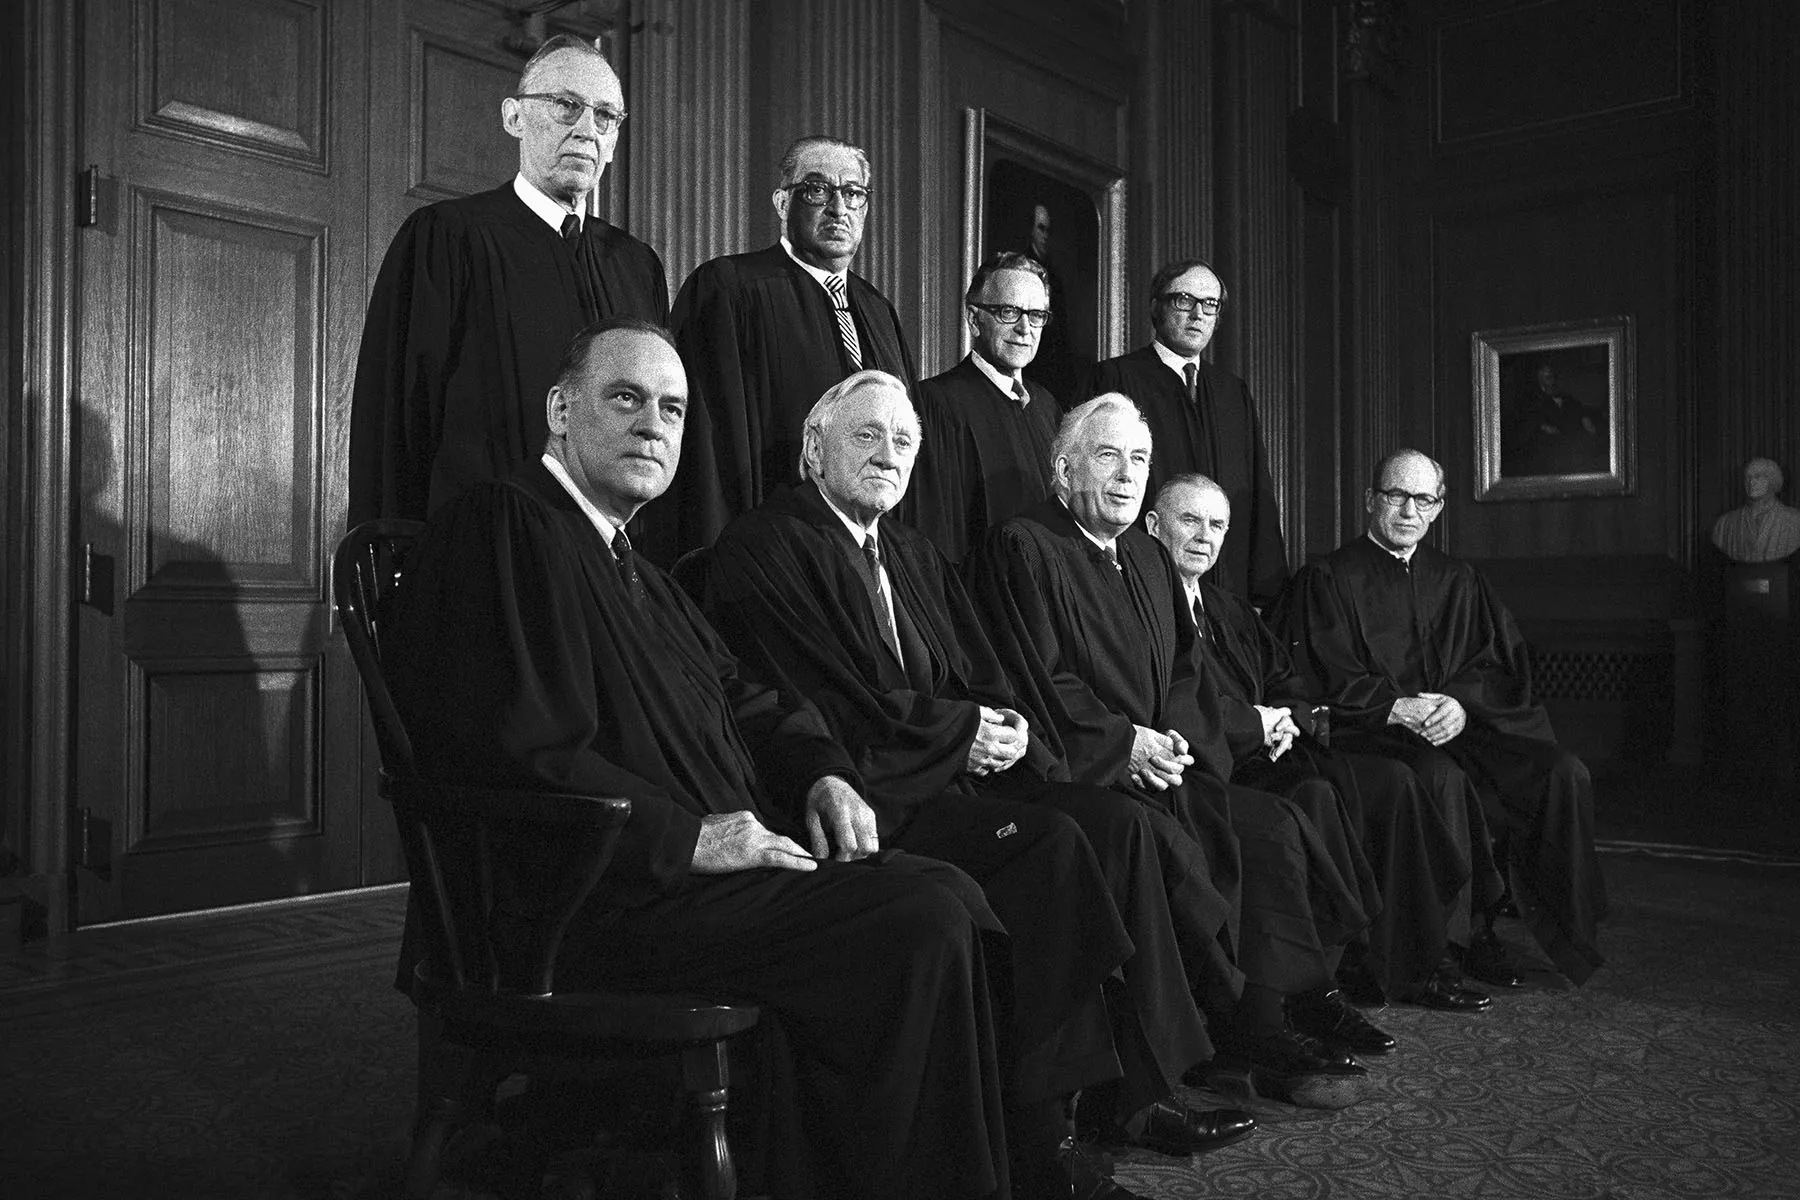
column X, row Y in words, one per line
column 477, row 297
column 1416, row 837
column 823, row 594
column 1203, row 418
column 531, row 647
column 988, row 427
column 1420, row 660
column 764, row 333
column 1082, row 610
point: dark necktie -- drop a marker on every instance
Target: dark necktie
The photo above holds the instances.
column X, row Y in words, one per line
column 846, row 323
column 1191, row 373
column 1198, row 612
column 628, row 572
column 878, row 597
column 1111, row 555
column 571, row 231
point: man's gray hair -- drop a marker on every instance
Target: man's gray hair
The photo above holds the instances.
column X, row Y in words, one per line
column 819, row 416
column 1381, row 467
column 556, row 45
column 1073, row 430
column 1187, row 479
column 790, row 160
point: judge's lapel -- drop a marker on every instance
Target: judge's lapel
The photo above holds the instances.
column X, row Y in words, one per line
column 807, row 503
column 881, row 348
column 817, row 316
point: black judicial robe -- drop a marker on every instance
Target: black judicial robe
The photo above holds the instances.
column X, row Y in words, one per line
column 1416, row 841
column 1219, row 436
column 517, row 656
column 1092, row 651
column 786, row 589
column 475, row 301
column 982, row 457
column 1366, row 630
column 760, row 339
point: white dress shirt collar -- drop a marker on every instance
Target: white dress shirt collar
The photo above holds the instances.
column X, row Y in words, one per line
column 599, row 520
column 1404, row 556
column 547, row 209
column 1006, row 383
column 1108, row 544
column 1174, row 361
column 815, row 272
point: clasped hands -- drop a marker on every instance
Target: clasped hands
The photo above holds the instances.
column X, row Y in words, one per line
column 1158, row 759
column 1279, row 730
column 1432, row 715
column 835, row 816
column 1000, row 741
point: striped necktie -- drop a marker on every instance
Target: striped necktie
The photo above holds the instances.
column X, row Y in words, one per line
column 846, row 323
column 878, row 596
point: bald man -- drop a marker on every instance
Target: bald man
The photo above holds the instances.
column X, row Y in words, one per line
column 1419, row 659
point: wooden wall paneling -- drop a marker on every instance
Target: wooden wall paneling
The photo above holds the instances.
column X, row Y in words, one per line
column 1376, row 391
column 1260, row 236
column 693, row 187
column 1753, row 400
column 1526, row 258
column 1172, row 211
column 1038, row 85
column 38, row 700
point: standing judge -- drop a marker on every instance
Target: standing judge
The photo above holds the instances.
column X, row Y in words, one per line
column 1082, row 611
column 1418, row 658
column 478, row 296
column 1417, row 838
column 822, row 594
column 989, row 428
column 1203, row 420
column 764, row 334
column 532, row 648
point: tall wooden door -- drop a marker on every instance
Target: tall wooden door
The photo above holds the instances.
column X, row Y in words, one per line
column 218, row 717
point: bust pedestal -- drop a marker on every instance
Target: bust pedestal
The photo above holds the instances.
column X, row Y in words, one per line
column 1761, row 671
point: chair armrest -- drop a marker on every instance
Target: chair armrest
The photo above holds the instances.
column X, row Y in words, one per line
column 567, row 810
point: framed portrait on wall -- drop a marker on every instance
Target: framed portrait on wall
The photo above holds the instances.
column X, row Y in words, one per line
column 1024, row 192
column 1555, row 410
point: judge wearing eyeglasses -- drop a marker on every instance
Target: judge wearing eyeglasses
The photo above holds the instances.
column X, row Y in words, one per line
column 765, row 334
column 987, row 428
column 1420, row 660
column 477, row 297
column 1203, row 421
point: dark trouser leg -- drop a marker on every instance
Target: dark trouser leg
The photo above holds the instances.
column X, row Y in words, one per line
column 1042, row 879
column 872, row 983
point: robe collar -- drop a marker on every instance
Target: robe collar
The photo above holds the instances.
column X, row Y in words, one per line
column 820, row 276
column 1404, row 557
column 1174, row 361
column 1109, row 544
column 858, row 533
column 1006, row 383
column 599, row 520
column 549, row 211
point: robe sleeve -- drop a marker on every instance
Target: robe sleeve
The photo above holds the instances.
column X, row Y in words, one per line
column 1268, row 552
column 493, row 660
column 1007, row 581
column 410, row 344
column 1488, row 660
column 792, row 617
column 942, row 500
column 1321, row 627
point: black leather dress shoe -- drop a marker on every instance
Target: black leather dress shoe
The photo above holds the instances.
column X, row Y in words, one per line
column 1285, row 1065
column 1445, row 993
column 1329, row 1017
column 1087, row 1179
column 1486, row 959
column 1174, row 1129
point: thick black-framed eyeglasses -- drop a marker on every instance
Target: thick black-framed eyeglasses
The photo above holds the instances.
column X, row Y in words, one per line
column 1185, row 302
column 567, row 110
column 1425, row 502
column 1009, row 314
column 817, row 195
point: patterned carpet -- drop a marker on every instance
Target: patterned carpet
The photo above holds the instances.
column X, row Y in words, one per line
column 262, row 1054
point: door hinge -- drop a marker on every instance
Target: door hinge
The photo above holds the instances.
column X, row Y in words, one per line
column 96, row 579
column 91, row 195
column 93, row 842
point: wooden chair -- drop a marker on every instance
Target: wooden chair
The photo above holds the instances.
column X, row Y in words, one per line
column 485, row 982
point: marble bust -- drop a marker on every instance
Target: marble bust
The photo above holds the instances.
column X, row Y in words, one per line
column 1765, row 529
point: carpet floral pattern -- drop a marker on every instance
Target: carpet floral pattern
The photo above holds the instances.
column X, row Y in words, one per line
column 283, row 1068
